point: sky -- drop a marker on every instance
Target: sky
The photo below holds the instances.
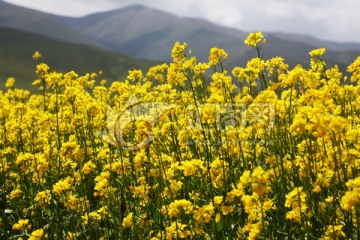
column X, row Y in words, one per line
column 334, row 20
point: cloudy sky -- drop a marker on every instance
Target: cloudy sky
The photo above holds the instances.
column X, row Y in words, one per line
column 336, row 20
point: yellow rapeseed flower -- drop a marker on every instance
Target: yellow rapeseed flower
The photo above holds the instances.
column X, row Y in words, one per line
column 20, row 224
column 14, row 194
column 10, row 82
column 179, row 206
column 61, row 186
column 317, row 52
column 204, row 214
column 226, row 209
column 42, row 70
column 254, row 39
column 296, row 199
column 36, row 55
column 178, row 52
column 216, row 55
column 135, row 75
column 351, row 197
column 43, row 197
column 128, row 220
column 37, row 234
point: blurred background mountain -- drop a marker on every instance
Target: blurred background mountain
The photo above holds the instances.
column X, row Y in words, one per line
column 135, row 37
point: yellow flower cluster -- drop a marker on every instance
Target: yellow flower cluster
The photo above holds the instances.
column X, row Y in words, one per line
column 216, row 55
column 10, row 82
column 189, row 149
column 352, row 197
column 254, row 39
column 37, row 234
column 20, row 224
column 296, row 200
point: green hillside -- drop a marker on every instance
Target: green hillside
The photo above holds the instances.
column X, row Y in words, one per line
column 17, row 48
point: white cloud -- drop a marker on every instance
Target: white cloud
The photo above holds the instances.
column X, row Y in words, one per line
column 223, row 14
column 67, row 7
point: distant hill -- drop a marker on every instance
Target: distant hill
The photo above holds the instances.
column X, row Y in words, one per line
column 301, row 38
column 148, row 33
column 12, row 16
column 145, row 33
column 17, row 48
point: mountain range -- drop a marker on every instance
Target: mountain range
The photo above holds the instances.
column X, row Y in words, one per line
column 143, row 32
column 99, row 40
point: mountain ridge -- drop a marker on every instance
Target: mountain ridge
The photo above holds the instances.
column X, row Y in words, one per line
column 26, row 19
column 146, row 33
column 121, row 28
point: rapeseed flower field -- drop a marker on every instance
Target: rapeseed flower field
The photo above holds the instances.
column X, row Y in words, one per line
column 188, row 150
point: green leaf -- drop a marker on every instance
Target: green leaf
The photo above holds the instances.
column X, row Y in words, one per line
column 219, row 226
